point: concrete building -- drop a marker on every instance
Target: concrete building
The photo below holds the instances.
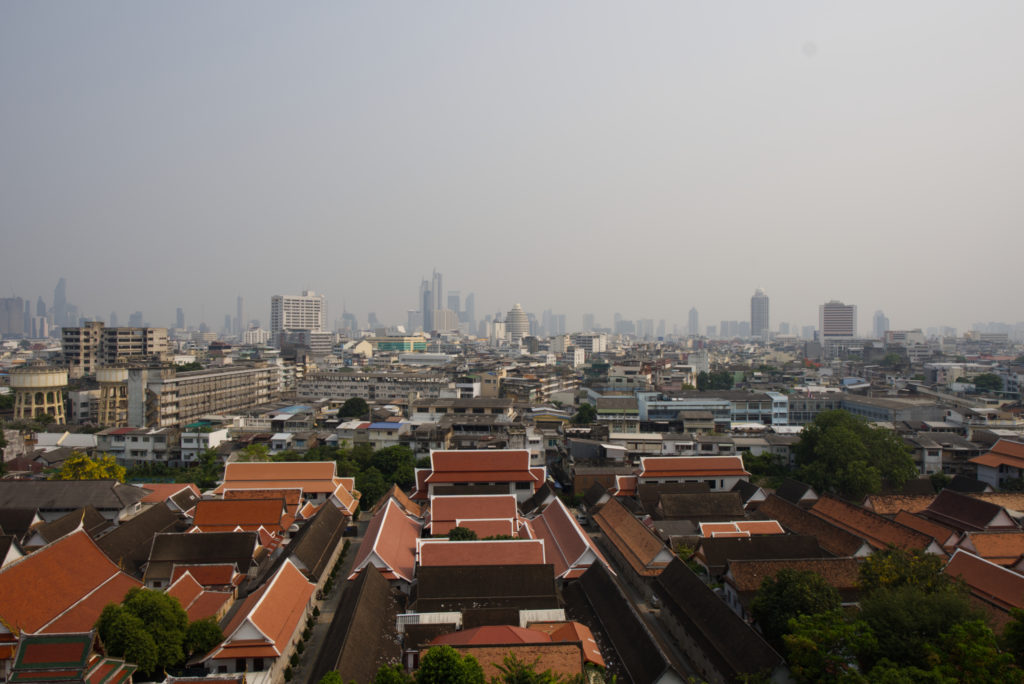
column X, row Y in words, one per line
column 293, row 313
column 836, row 319
column 517, row 324
column 693, row 323
column 92, row 345
column 380, row 387
column 38, row 390
column 759, row 319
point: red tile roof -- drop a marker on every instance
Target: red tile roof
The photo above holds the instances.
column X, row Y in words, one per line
column 274, row 610
column 1002, row 548
column 991, row 583
column 691, row 466
column 60, row 584
column 566, row 545
column 210, row 575
column 878, row 531
column 492, row 465
column 495, row 552
column 572, row 632
column 162, row 491
column 1004, row 452
column 225, row 515
column 445, row 511
column 389, row 544
column 640, row 547
column 310, row 476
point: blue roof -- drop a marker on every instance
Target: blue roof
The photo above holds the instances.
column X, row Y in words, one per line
column 384, row 426
column 293, row 409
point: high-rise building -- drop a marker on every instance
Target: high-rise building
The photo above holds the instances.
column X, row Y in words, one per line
column 12, row 317
column 836, row 319
column 135, row 320
column 239, row 316
column 759, row 322
column 114, row 320
column 437, row 286
column 454, row 301
column 60, row 304
column 588, row 322
column 881, row 325
column 179, row 321
column 469, row 315
column 517, row 324
column 693, row 326
column 294, row 313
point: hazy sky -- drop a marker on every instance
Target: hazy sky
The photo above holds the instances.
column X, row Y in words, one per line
column 581, row 156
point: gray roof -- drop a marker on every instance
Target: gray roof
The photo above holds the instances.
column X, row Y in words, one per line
column 719, row 550
column 209, row 547
column 63, row 495
column 523, row 587
column 129, row 543
column 315, row 542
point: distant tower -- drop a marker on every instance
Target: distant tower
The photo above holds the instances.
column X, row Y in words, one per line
column 60, row 304
column 759, row 326
column 470, row 311
column 39, row 389
column 438, row 289
column 693, row 326
column 836, row 319
column 517, row 324
column 180, row 320
column 881, row 325
column 113, row 403
column 239, row 316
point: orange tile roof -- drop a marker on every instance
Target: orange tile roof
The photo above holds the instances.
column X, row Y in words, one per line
column 876, row 530
column 995, row 585
column 566, row 659
column 1002, row 548
column 740, row 528
column 211, row 575
column 891, row 504
column 1003, row 452
column 275, row 610
column 483, row 528
column 437, row 552
column 493, row 634
column 446, row 510
column 161, row 491
column 496, row 460
column 51, row 583
column 389, row 543
column 309, row 476
column 566, row 545
column 625, row 485
column 691, row 466
column 940, row 533
column 249, row 514
column 83, row 615
column 645, row 553
column 570, row 632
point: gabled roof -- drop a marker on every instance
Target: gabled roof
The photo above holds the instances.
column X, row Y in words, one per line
column 572, row 632
column 315, row 543
column 17, row 521
column 182, row 496
column 226, row 515
column 835, row 540
column 69, row 494
column 441, row 552
column 566, row 545
column 274, row 611
column 492, row 465
column 70, row 657
column 691, row 466
column 715, row 505
column 447, row 511
column 389, row 544
column 129, row 543
column 967, row 513
column 891, row 504
column 876, row 530
column 987, row 581
column 312, row 477
column 796, row 492
column 475, row 587
column 88, row 518
column 740, row 528
column 169, row 549
column 730, row 645
column 945, row 536
column 209, row 575
column 747, row 575
column 58, row 585
column 401, row 499
column 197, row 601
column 646, row 554
column 1003, row 452
column 715, row 553
column 1001, row 548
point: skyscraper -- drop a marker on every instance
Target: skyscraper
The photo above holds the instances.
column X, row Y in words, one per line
column 454, row 301
column 693, row 326
column 517, row 324
column 759, row 324
column 179, row 321
column 836, row 319
column 290, row 313
column 438, row 288
column 60, row 304
column 881, row 325
column 588, row 322
column 240, row 316
column 470, row 312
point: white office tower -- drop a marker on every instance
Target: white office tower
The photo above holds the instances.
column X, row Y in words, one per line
column 289, row 313
column 759, row 325
column 517, row 325
column 837, row 320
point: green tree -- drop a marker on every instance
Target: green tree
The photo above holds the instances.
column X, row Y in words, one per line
column 79, row 466
column 968, row 652
column 988, row 382
column 254, row 452
column 202, row 635
column 149, row 628
column 190, row 366
column 1013, row 635
column 355, row 407
column 444, row 665
column 516, row 671
column 716, row 380
column 461, row 534
column 392, row 674
column 585, row 415
column 840, row 453
column 826, row 647
column 789, row 594
column 333, row 677
column 372, row 486
column 892, row 568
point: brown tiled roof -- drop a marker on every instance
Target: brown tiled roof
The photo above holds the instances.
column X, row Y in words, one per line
column 715, row 553
column 876, row 530
column 729, row 644
column 491, row 552
column 747, row 575
column 1003, row 452
column 891, row 504
column 1002, row 548
column 962, row 512
column 691, row 466
column 521, row 587
column 638, row 545
column 566, row 545
column 88, row 517
column 995, row 585
column 402, row 499
column 315, row 543
column 701, row 507
column 940, row 533
column 562, row 659
column 835, row 540
column 129, row 543
column 225, row 515
column 1012, row 501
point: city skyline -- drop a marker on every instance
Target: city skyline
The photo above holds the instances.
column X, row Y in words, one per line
column 519, row 157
